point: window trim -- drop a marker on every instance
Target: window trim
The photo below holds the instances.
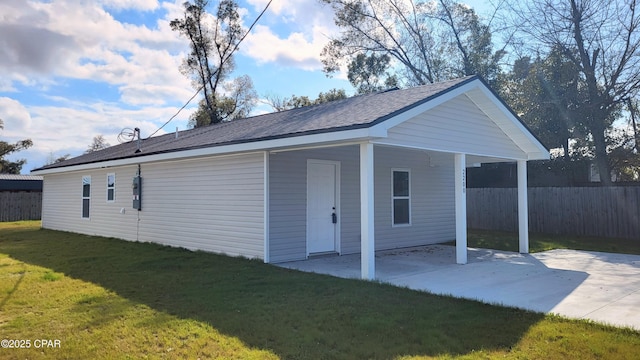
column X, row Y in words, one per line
column 394, row 198
column 88, row 198
column 111, row 188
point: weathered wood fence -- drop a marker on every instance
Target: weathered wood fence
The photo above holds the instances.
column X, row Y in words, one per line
column 20, row 205
column 584, row 211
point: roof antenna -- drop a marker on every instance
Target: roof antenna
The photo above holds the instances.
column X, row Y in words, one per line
column 137, row 130
column 128, row 135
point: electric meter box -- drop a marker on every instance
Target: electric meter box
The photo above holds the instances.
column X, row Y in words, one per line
column 137, row 193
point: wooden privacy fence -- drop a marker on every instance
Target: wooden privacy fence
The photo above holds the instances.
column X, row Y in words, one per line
column 20, row 205
column 584, row 211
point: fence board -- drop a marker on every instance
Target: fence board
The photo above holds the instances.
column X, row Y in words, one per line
column 588, row 211
column 20, row 205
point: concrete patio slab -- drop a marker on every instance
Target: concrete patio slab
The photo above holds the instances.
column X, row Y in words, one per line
column 602, row 287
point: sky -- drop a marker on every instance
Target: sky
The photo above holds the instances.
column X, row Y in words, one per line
column 74, row 69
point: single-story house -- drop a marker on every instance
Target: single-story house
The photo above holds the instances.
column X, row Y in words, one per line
column 367, row 173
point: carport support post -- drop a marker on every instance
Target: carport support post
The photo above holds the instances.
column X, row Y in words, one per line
column 461, row 208
column 367, row 241
column 523, row 208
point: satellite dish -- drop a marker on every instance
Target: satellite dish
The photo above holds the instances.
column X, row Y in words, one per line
column 126, row 135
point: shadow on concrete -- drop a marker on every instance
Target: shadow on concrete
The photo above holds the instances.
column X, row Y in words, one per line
column 490, row 276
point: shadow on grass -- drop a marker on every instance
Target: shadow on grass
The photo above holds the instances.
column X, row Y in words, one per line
column 293, row 314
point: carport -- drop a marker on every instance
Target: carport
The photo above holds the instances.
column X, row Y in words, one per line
column 602, row 287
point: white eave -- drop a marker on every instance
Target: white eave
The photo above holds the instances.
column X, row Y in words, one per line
column 273, row 144
column 475, row 90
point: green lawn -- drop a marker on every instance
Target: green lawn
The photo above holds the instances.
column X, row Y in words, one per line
column 112, row 299
column 501, row 240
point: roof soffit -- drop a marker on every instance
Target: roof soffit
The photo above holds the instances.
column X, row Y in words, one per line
column 487, row 102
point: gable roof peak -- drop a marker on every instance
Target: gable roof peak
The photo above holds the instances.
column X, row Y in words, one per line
column 357, row 112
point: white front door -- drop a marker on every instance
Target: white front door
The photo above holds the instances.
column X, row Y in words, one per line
column 322, row 204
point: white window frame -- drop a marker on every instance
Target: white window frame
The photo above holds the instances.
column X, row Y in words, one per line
column 113, row 188
column 86, row 179
column 394, row 198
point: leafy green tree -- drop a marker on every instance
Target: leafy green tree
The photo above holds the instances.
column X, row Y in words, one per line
column 331, row 95
column 545, row 93
column 294, row 102
column 213, row 40
column 369, row 74
column 12, row 167
column 237, row 104
column 602, row 40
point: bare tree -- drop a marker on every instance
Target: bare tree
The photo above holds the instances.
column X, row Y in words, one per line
column 601, row 38
column 427, row 41
column 98, row 143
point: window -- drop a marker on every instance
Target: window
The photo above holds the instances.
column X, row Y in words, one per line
column 86, row 196
column 111, row 187
column 401, row 198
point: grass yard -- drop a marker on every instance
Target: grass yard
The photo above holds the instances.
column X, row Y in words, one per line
column 507, row 241
column 111, row 299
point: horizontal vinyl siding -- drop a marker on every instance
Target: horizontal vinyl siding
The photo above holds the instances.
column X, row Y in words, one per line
column 62, row 204
column 288, row 197
column 432, row 198
column 455, row 126
column 211, row 204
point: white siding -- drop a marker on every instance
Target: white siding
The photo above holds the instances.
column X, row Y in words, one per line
column 432, row 199
column 455, row 126
column 288, row 196
column 210, row 204
column 213, row 204
column 62, row 204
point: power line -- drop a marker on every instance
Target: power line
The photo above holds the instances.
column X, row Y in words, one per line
column 222, row 62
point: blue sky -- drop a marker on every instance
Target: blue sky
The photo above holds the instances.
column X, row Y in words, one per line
column 71, row 70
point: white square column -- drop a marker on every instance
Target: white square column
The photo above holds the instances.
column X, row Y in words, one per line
column 367, row 238
column 523, row 208
column 461, row 208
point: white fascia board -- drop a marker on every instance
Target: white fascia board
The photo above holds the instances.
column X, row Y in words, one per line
column 293, row 141
column 415, row 111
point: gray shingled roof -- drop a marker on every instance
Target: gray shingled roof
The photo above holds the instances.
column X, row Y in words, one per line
column 356, row 112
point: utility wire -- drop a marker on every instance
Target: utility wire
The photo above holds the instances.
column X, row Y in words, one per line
column 222, row 62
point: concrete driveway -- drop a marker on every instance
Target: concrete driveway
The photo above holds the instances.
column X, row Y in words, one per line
column 602, row 287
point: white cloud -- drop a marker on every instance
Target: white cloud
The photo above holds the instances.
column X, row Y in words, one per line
column 83, row 41
column 61, row 130
column 294, row 51
column 58, row 40
column 295, row 39
column 144, row 5
column 54, row 42
column 140, row 94
column 15, row 117
column 276, row 7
